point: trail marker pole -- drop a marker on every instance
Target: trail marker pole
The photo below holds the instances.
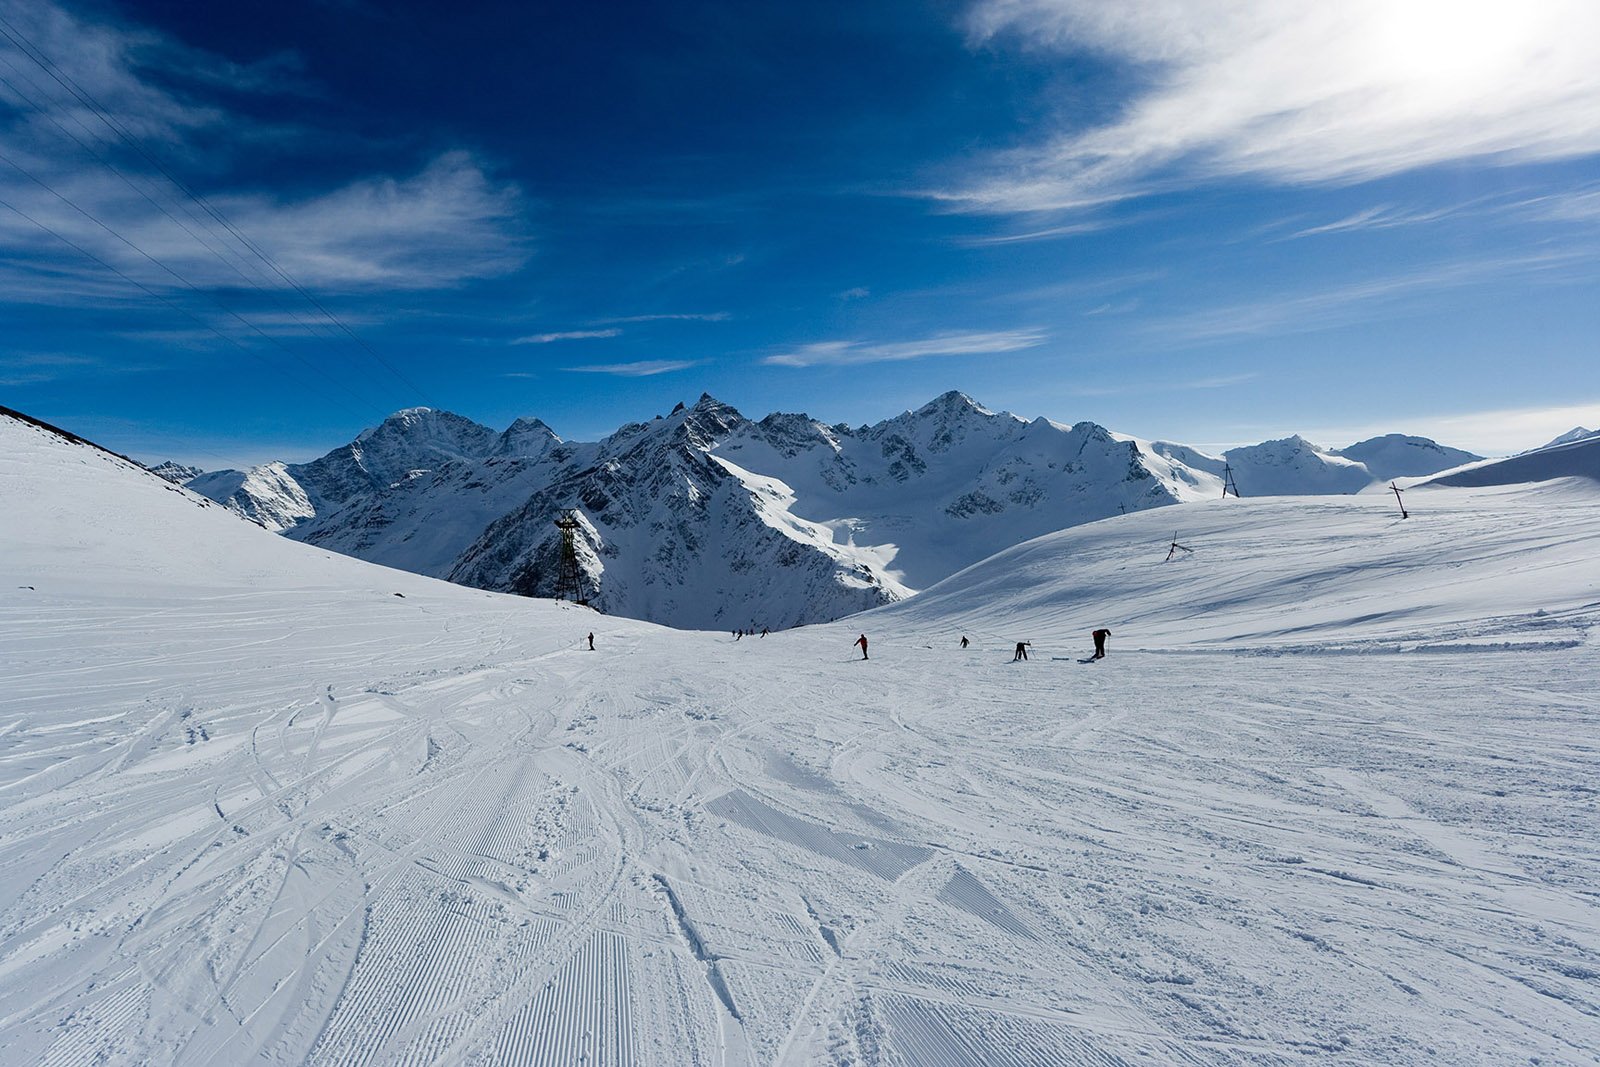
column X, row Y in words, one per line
column 1176, row 548
column 1404, row 514
column 1228, row 484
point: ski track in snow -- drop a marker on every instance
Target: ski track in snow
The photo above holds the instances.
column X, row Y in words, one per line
column 260, row 823
column 677, row 850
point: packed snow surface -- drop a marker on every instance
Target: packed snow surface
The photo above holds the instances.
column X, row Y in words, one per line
column 1333, row 794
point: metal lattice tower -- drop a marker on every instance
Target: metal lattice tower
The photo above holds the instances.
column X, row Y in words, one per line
column 569, row 578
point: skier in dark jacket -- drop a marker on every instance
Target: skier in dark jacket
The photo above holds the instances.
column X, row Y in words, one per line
column 591, row 642
column 964, row 642
column 862, row 641
column 1022, row 651
column 1100, row 643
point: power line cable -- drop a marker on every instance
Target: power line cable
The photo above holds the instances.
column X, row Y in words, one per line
column 34, row 53
column 70, row 243
column 208, row 246
column 180, row 278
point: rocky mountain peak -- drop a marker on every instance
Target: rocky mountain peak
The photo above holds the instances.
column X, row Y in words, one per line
column 526, row 438
column 176, row 473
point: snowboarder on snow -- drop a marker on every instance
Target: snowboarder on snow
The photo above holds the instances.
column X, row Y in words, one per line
column 1022, row 651
column 964, row 642
column 862, row 641
column 1100, row 643
column 591, row 642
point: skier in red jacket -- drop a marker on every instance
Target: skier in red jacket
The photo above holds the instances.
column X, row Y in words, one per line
column 862, row 641
column 1100, row 643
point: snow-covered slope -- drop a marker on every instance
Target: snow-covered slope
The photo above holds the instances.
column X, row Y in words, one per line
column 1577, row 433
column 1294, row 466
column 1579, row 458
column 937, row 489
column 707, row 519
column 256, row 808
column 674, row 535
column 1288, row 572
column 1396, row 455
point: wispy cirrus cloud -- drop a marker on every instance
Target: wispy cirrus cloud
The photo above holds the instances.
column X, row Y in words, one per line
column 675, row 316
column 845, row 353
column 1580, row 205
column 1332, row 306
column 565, row 335
column 1299, row 91
column 1380, row 217
column 643, row 368
column 28, row 368
column 73, row 181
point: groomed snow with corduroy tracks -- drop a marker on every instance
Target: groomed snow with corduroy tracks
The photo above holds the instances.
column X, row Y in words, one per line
column 1333, row 796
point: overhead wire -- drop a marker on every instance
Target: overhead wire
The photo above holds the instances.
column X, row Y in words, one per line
column 175, row 275
column 222, row 253
column 70, row 243
column 10, row 32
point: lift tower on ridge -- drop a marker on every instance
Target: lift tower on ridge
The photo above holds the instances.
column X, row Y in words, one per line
column 569, row 577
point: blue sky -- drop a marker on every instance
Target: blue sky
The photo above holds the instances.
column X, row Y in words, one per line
column 1209, row 221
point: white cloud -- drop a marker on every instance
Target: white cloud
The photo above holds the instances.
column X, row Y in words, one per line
column 1384, row 217
column 1302, row 90
column 681, row 316
column 1581, row 205
column 565, row 335
column 444, row 225
column 1307, row 312
column 643, row 368
column 838, row 353
column 1489, row 433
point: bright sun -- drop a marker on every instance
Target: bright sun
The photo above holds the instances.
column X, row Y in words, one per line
column 1448, row 45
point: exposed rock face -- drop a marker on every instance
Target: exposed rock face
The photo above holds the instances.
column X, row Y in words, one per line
column 703, row 518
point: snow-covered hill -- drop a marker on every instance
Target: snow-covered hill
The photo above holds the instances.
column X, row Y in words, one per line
column 1289, row 572
column 704, row 518
column 1577, row 433
column 1396, row 455
column 257, row 808
column 1577, row 458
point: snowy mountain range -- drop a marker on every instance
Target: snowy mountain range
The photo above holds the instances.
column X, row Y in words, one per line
column 706, row 519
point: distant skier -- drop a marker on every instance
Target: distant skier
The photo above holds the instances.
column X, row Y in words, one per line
column 964, row 642
column 738, row 635
column 591, row 642
column 1100, row 643
column 1022, row 651
column 765, row 631
column 862, row 641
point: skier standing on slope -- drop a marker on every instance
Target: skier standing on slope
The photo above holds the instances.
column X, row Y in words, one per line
column 765, row 631
column 1022, row 651
column 862, row 641
column 591, row 642
column 964, row 642
column 1100, row 643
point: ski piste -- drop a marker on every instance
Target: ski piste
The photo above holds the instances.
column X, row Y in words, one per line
column 1333, row 797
